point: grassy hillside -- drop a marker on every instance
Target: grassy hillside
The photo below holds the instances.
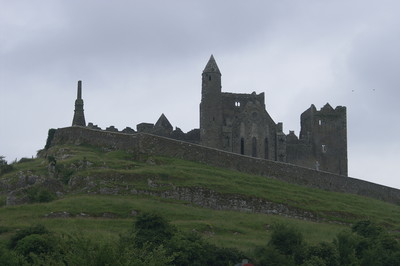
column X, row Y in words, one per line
column 99, row 199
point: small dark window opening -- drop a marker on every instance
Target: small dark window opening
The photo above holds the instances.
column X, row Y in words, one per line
column 266, row 149
column 213, row 118
column 242, row 146
column 209, row 77
column 227, row 142
column 254, row 147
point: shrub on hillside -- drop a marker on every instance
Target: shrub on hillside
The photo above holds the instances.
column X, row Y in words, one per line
column 271, row 256
column 288, row 241
column 32, row 243
column 152, row 232
column 191, row 249
column 153, row 229
column 366, row 244
column 39, row 194
column 36, row 244
column 25, row 160
column 8, row 257
column 4, row 166
column 375, row 246
column 367, row 229
column 37, row 229
column 63, row 173
column 326, row 253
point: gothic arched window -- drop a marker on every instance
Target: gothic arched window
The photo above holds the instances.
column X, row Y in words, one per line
column 254, row 147
column 242, row 146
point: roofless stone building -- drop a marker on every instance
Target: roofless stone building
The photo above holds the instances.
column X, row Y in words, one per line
column 239, row 123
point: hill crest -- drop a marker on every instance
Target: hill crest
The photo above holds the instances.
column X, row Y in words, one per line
column 146, row 144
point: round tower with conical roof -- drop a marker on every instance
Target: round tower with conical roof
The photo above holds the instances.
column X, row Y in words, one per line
column 210, row 106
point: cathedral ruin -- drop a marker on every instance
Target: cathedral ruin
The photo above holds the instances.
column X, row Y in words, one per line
column 239, row 123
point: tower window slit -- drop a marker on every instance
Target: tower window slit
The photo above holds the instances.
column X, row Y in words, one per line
column 266, row 149
column 254, row 147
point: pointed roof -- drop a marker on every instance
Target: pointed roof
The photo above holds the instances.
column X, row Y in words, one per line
column 211, row 66
column 327, row 108
column 164, row 123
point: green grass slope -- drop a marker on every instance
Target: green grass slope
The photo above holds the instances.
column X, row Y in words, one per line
column 97, row 199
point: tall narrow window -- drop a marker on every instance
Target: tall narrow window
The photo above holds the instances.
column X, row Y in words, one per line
column 227, row 142
column 254, row 147
column 242, row 146
column 266, row 149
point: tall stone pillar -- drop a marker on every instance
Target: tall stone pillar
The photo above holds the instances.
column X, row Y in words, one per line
column 79, row 116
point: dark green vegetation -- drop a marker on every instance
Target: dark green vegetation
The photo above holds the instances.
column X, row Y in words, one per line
column 154, row 241
column 87, row 194
column 151, row 241
column 366, row 244
column 4, row 166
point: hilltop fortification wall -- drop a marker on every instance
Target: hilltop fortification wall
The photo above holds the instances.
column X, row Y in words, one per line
column 146, row 144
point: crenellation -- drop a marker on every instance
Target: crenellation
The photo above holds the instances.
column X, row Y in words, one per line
column 92, row 126
column 128, row 130
column 144, row 127
column 112, row 129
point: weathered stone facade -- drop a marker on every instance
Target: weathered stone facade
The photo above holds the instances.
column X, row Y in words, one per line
column 239, row 123
column 323, row 140
column 164, row 128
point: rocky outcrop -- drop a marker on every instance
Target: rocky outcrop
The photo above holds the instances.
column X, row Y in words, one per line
column 19, row 192
column 199, row 196
column 219, row 201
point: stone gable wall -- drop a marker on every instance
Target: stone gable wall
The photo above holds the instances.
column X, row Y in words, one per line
column 146, row 144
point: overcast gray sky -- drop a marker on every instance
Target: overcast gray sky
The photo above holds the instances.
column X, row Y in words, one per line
column 138, row 59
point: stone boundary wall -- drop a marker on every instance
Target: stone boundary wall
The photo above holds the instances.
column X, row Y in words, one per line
column 81, row 135
column 147, row 144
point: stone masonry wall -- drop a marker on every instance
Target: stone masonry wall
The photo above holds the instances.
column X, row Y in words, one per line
column 142, row 143
column 106, row 139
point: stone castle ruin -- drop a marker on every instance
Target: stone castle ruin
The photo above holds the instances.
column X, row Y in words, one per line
column 239, row 123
